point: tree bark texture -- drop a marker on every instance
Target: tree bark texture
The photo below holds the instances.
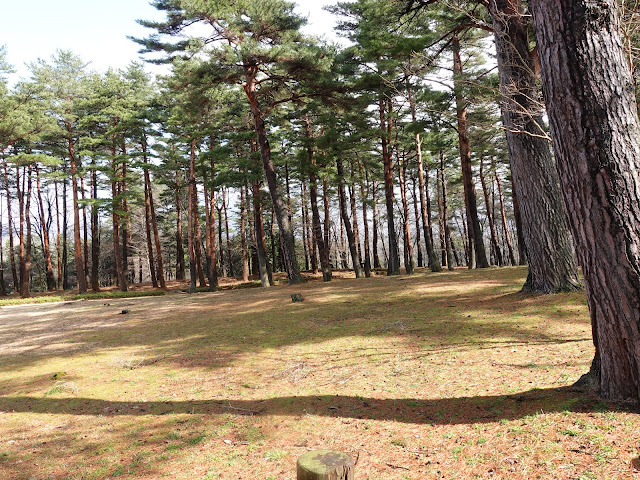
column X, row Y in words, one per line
column 596, row 134
column 552, row 265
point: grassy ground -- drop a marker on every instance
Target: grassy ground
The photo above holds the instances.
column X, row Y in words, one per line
column 453, row 375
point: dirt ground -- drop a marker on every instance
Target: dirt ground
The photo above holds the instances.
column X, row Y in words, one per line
column 431, row 376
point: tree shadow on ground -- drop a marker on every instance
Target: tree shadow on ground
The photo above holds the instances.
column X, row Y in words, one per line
column 438, row 411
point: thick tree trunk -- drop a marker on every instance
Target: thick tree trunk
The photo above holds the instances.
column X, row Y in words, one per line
column 477, row 253
column 290, row 260
column 345, row 220
column 490, row 217
column 596, row 133
column 552, row 265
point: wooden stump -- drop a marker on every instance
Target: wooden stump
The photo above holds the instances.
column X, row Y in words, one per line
column 325, row 465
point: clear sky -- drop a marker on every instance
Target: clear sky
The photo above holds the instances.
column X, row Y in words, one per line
column 96, row 30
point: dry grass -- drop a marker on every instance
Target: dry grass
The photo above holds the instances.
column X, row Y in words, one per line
column 453, row 375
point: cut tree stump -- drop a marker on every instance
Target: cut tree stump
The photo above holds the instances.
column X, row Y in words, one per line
column 325, row 465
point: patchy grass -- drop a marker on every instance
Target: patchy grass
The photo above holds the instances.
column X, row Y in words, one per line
column 85, row 296
column 452, row 375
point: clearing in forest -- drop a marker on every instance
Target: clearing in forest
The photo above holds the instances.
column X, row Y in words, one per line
column 452, row 375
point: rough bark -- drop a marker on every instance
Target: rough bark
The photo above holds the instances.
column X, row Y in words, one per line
column 552, row 265
column 351, row 239
column 193, row 271
column 596, row 135
column 449, row 250
column 321, row 240
column 263, row 262
column 365, row 220
column 14, row 272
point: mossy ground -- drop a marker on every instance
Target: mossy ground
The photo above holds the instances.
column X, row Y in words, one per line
column 452, row 375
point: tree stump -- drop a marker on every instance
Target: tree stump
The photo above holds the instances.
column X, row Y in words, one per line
column 325, row 465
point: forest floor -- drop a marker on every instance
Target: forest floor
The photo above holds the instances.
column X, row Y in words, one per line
column 455, row 375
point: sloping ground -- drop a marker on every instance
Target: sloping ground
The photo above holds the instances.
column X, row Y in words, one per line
column 453, row 375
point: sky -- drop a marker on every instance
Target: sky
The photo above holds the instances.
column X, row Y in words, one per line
column 97, row 30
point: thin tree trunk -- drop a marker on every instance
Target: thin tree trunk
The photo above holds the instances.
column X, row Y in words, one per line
column 345, row 220
column 263, row 262
column 180, row 266
column 327, row 220
column 365, row 221
column 503, row 213
column 193, row 269
column 522, row 249
column 14, row 272
column 416, row 214
column 147, row 225
column 386, row 125
column 243, row 236
column 492, row 225
column 51, row 281
column 424, row 193
column 477, row 253
column 225, row 200
column 120, row 272
column 154, row 220
column 210, row 225
column 450, row 251
column 321, row 241
column 85, row 233
column 402, row 180
column 376, row 257
column 95, row 236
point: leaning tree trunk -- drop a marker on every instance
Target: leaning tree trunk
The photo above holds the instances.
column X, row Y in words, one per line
column 290, row 260
column 552, row 265
column 596, row 133
column 477, row 253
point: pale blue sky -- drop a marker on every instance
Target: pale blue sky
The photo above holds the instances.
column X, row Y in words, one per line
column 95, row 30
